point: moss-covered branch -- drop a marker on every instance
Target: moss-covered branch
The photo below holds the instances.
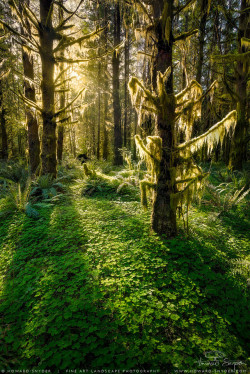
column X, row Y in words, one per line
column 212, row 136
column 229, row 58
column 185, row 35
column 144, row 186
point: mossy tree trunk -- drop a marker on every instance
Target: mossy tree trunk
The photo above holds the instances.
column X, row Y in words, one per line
column 126, row 96
column 98, row 150
column 239, row 149
column 4, row 138
column 30, row 94
column 116, row 87
column 105, row 150
column 49, row 159
column 164, row 215
column 60, row 130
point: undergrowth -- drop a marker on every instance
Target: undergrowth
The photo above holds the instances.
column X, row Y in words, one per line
column 88, row 285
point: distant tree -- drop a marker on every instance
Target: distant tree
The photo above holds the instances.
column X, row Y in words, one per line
column 4, row 139
column 241, row 136
column 116, row 86
column 3, row 126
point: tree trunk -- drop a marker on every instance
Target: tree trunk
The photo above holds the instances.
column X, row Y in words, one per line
column 202, row 33
column 126, row 77
column 239, row 149
column 49, row 161
column 116, row 87
column 99, row 113
column 60, row 130
column 164, row 214
column 4, row 138
column 105, row 151
column 30, row 94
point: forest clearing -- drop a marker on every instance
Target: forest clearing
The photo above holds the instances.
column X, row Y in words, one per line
column 124, row 186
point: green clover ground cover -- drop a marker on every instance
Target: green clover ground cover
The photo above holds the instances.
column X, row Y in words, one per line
column 87, row 285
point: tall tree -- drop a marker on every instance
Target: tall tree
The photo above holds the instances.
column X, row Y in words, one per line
column 174, row 174
column 60, row 129
column 241, row 136
column 204, row 10
column 49, row 160
column 4, row 138
column 30, row 94
column 116, row 87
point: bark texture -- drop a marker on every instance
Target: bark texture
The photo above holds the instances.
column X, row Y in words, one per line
column 116, row 88
column 241, row 138
column 164, row 215
column 4, row 138
column 49, row 159
column 30, row 94
column 60, row 130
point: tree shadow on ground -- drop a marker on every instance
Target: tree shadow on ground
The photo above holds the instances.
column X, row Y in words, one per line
column 110, row 294
column 53, row 313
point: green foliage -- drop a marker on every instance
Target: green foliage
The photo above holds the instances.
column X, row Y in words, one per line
column 89, row 286
column 46, row 188
column 227, row 191
column 14, row 171
column 15, row 198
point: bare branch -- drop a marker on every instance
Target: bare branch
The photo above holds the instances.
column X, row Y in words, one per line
column 61, row 73
column 181, row 8
column 13, row 31
column 69, row 104
column 64, row 43
column 12, row 4
column 32, row 17
column 28, row 102
column 71, row 14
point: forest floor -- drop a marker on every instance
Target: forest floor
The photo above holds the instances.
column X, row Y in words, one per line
column 87, row 285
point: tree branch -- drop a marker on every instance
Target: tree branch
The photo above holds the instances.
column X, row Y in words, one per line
column 71, row 14
column 28, row 102
column 181, row 8
column 69, row 104
column 185, row 35
column 62, row 44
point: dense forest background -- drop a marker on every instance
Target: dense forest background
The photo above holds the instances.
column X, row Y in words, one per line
column 124, row 181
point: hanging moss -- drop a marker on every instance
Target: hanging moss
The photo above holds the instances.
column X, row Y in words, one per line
column 245, row 43
column 145, row 188
column 212, row 137
column 186, row 176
